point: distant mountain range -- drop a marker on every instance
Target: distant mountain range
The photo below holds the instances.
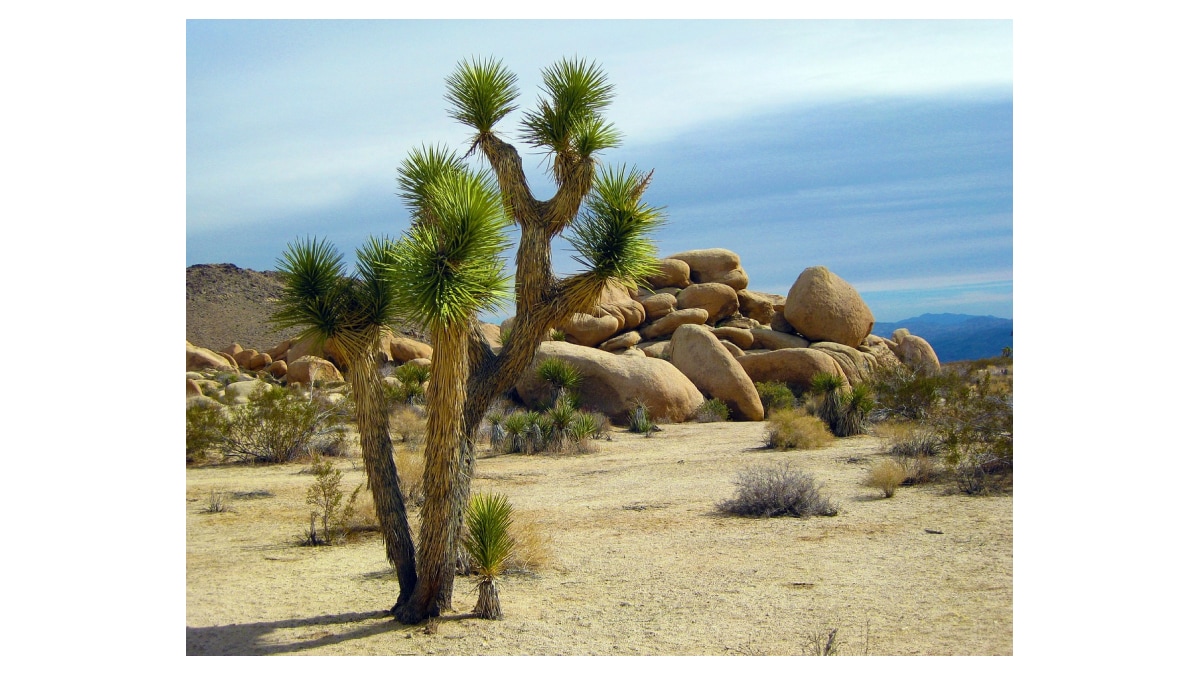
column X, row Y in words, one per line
column 956, row 337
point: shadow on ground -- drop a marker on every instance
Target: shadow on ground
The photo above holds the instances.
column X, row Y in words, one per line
column 247, row 639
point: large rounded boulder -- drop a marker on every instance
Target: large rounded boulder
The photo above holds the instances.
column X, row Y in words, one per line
column 614, row 384
column 670, row 272
column 718, row 300
column 699, row 355
column 199, row 358
column 823, row 307
column 714, row 265
column 311, row 369
column 794, row 366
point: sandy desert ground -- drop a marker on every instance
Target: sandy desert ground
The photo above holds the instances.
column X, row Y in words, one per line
column 642, row 562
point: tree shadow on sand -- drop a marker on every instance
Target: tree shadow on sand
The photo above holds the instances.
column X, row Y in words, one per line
column 247, row 639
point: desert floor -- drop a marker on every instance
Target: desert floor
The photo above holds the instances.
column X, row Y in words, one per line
column 641, row 561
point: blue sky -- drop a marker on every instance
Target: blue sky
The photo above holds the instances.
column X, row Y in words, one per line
column 880, row 149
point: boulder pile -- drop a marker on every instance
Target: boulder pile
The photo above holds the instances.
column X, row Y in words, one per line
column 694, row 330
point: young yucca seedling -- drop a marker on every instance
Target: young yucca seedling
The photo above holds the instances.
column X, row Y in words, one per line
column 489, row 545
column 639, row 420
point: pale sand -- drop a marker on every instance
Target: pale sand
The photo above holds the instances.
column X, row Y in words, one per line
column 642, row 562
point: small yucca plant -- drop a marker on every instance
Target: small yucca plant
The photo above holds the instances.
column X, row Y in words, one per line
column 564, row 378
column 825, row 386
column 489, row 545
column 854, row 407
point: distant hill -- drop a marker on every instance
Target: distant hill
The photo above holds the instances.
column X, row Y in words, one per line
column 956, row 337
column 227, row 304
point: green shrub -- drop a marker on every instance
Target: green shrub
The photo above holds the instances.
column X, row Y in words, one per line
column 970, row 422
column 206, row 426
column 795, row 429
column 278, row 425
column 326, row 494
column 769, row 491
column 712, row 410
column 775, row 396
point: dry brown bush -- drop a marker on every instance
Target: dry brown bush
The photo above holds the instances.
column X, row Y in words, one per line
column 794, row 428
column 886, row 477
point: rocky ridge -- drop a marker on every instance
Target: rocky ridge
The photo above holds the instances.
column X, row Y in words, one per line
column 703, row 334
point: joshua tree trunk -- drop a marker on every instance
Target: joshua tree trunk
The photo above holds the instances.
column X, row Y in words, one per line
column 542, row 302
column 443, row 436
column 370, row 413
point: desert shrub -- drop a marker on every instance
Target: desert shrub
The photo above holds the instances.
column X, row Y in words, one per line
column 976, row 431
column 712, row 410
column 920, row 469
column 920, row 441
column 557, row 335
column 326, row 495
column 775, row 396
column 216, row 502
column 277, row 425
column 902, row 393
column 407, row 425
column 886, row 476
column 795, row 429
column 769, row 491
column 206, row 426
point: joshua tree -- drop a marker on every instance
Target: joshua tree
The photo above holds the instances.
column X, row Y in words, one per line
column 346, row 314
column 452, row 232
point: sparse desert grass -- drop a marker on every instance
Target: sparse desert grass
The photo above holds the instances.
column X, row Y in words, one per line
column 407, row 426
column 886, row 476
column 813, row 567
column 794, row 429
column 531, row 550
column 410, row 468
column 779, row 490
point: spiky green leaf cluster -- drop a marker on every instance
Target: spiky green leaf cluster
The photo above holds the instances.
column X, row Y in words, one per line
column 320, row 298
column 448, row 265
column 612, row 234
column 568, row 117
column 421, row 170
column 488, row 542
column 481, row 93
